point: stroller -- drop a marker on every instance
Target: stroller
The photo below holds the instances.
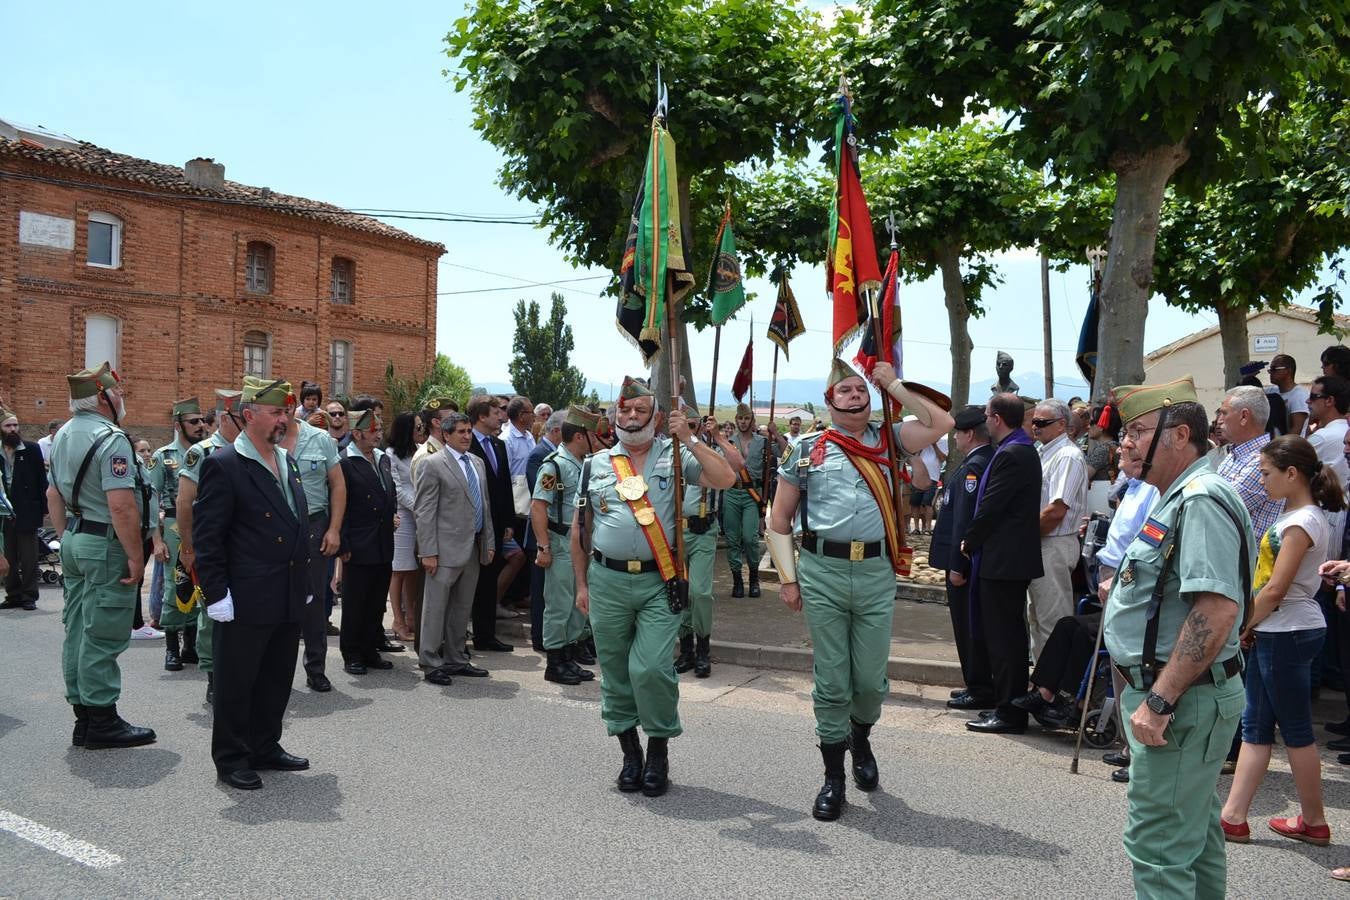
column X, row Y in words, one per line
column 49, row 556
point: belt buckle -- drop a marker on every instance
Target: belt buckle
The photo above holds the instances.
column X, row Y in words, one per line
column 855, row 551
column 684, row 522
column 634, row 567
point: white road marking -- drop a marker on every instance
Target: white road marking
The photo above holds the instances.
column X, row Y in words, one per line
column 564, row 701
column 82, row 852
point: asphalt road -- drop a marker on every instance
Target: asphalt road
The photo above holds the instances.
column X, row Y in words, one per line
column 504, row 787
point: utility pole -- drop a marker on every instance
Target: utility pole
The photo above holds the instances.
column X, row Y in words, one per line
column 1045, row 325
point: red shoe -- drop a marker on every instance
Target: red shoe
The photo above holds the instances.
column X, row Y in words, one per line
column 1296, row 828
column 1236, row 834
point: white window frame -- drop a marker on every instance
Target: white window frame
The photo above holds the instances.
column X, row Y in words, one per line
column 95, row 356
column 266, row 349
column 347, row 267
column 340, row 378
column 115, row 251
column 268, row 267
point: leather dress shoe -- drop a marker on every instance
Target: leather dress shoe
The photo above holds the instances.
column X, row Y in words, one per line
column 30, row 605
column 1121, row 776
column 1343, row 759
column 388, row 646
column 243, row 779
column 438, row 676
column 468, row 670
column 281, row 761
column 1340, row 744
column 996, row 724
column 968, row 700
column 355, row 668
column 319, row 683
column 1341, row 728
column 1032, row 701
column 377, row 663
column 1116, row 758
column 494, row 646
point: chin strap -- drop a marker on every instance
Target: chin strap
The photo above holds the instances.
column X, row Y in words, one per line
column 1153, row 445
column 112, row 407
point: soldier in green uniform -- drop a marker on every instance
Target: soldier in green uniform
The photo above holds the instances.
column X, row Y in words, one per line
column 834, row 486
column 1171, row 625
column 555, row 494
column 623, row 559
column 97, row 507
column 189, row 428
column 743, row 505
column 189, row 475
column 700, row 548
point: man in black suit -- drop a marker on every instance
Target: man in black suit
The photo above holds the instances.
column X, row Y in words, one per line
column 25, row 481
column 1004, row 544
column 487, row 414
column 549, row 440
column 956, row 509
column 250, row 530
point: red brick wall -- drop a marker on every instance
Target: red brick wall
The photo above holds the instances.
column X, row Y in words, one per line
column 180, row 297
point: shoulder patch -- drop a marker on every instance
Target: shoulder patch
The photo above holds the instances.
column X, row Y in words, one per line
column 119, row 466
column 1153, row 533
column 194, row 456
column 548, row 482
column 151, row 463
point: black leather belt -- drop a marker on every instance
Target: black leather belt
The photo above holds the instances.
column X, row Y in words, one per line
column 314, row 517
column 1132, row 674
column 169, row 514
column 693, row 522
column 850, row 550
column 97, row 529
column 559, row 528
column 631, row 566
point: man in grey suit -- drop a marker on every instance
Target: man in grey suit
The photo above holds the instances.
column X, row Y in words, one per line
column 454, row 538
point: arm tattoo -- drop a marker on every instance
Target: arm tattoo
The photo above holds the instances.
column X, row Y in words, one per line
column 1195, row 636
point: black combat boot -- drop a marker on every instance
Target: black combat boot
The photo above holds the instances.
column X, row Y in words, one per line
column 702, row 664
column 865, row 774
column 583, row 653
column 556, row 670
column 571, row 655
column 685, row 661
column 656, row 775
column 830, row 800
column 172, row 662
column 210, row 688
column 109, row 730
column 190, row 645
column 81, row 726
column 754, row 582
column 630, row 776
column 737, row 586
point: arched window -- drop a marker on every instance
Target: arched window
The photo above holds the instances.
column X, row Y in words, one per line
column 258, row 267
column 102, row 341
column 343, row 281
column 105, row 241
column 258, row 354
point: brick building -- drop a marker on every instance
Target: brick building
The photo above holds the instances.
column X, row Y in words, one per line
column 187, row 282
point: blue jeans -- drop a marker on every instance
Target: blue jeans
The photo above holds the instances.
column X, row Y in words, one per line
column 157, row 590
column 1279, row 685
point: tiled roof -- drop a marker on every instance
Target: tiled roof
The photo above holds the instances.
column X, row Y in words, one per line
column 94, row 160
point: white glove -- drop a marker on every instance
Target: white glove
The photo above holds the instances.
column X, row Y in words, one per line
column 222, row 610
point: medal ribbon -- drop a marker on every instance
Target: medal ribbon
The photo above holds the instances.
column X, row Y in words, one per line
column 654, row 533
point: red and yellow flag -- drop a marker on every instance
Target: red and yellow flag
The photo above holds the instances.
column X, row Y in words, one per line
column 851, row 256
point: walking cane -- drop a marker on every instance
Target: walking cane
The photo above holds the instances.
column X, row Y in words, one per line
column 1087, row 699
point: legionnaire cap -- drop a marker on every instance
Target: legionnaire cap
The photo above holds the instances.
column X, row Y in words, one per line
column 188, row 407
column 366, row 420
column 87, row 383
column 743, row 410
column 969, row 418
column 6, row 415
column 839, row 370
column 226, row 400
column 1135, row 400
column 436, row 403
column 632, row 389
column 582, row 418
column 268, row 392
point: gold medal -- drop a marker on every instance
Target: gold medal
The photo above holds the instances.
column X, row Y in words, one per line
column 632, row 488
column 645, row 516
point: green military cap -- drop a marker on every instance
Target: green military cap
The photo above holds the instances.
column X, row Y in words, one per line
column 366, row 420
column 227, row 400
column 188, row 407
column 438, row 403
column 269, row 392
column 582, row 418
column 839, row 370
column 743, row 409
column 88, row 382
column 1134, row 400
column 6, row 415
column 632, row 389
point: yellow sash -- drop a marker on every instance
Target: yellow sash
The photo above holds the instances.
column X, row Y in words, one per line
column 653, row 532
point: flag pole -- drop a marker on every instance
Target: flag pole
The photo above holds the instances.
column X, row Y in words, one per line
column 892, row 457
column 677, row 470
column 773, row 391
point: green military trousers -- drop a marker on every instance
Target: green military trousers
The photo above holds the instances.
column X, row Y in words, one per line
column 563, row 622
column 849, row 607
column 1172, row 832
column 97, row 617
column 635, row 642
column 740, row 523
column 205, row 630
column 700, row 550
column 170, row 618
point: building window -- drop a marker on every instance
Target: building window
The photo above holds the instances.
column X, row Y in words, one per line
column 341, row 359
column 105, row 241
column 343, row 288
column 258, row 354
column 102, row 341
column 258, row 268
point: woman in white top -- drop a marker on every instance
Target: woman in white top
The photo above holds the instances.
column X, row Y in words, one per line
column 404, row 438
column 1282, row 638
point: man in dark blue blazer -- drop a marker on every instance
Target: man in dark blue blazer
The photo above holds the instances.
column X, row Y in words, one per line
column 25, row 481
column 250, row 530
column 487, row 414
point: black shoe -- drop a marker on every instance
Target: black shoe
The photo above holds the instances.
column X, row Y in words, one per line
column 656, row 773
column 630, row 776
column 388, row 646
column 376, row 662
column 210, row 688
column 438, row 676
column 959, row 691
column 1116, row 758
column 11, row 604
column 737, row 586
column 685, row 661
column 30, row 605
column 243, row 779
column 580, row 654
column 81, row 725
column 1341, row 728
column 591, row 653
column 189, row 654
column 996, row 724
column 107, row 730
column 1121, row 776
column 331, row 630
column 571, row 657
column 493, row 646
column 281, row 761
column 1339, row 744
column 319, row 683
column 172, row 661
column 702, row 664
column 557, row 669
column 754, row 583
column 830, row 801
column 968, row 700
column 1032, row 701
column 467, row 670
column 1063, row 713
column 355, row 668
column 865, row 774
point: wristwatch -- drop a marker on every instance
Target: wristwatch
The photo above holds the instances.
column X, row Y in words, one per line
column 1159, row 704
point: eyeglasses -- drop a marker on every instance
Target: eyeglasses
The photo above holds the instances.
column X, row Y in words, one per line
column 1135, row 435
column 1043, row 423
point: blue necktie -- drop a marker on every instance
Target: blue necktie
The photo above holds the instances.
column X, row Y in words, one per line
column 490, row 453
column 474, row 492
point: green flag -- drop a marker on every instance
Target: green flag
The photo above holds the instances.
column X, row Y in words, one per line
column 724, row 275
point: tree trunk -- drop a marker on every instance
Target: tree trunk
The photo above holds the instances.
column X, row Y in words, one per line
column 958, row 321
column 1141, row 180
column 1233, row 336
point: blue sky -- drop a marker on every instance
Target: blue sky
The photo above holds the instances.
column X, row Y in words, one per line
column 345, row 102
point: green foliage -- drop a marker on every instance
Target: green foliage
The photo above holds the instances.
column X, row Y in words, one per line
column 409, row 394
column 541, row 366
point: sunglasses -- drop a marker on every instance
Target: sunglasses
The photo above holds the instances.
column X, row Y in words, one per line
column 1317, row 396
column 337, row 415
column 1043, row 423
